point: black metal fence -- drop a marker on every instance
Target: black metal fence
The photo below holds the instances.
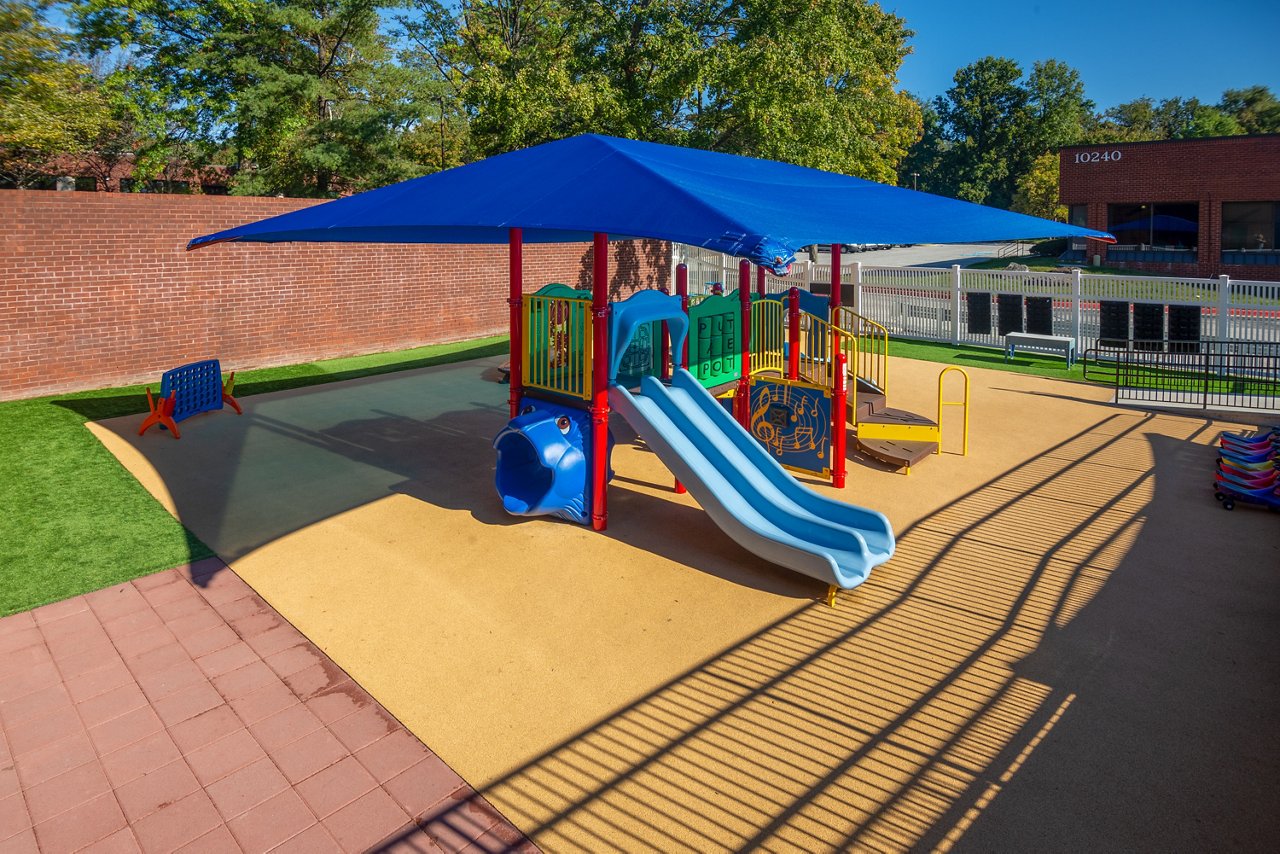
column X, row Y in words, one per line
column 1208, row 374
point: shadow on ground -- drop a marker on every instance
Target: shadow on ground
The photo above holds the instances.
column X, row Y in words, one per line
column 305, row 456
column 1071, row 657
column 1077, row 655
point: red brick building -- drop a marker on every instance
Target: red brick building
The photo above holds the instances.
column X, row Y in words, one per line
column 1193, row 207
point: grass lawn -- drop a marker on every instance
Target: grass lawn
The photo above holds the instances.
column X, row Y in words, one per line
column 73, row 520
column 1043, row 264
column 986, row 357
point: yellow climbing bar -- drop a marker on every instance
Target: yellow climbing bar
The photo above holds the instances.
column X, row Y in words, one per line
column 963, row 403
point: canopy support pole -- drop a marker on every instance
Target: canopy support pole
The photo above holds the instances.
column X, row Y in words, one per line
column 760, row 282
column 600, row 381
column 515, row 299
column 682, row 291
column 743, row 396
column 835, row 281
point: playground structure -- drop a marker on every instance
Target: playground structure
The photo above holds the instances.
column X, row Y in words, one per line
column 189, row 390
column 744, row 207
column 659, row 357
column 793, row 371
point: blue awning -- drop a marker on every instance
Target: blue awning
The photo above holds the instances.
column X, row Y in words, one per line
column 565, row 191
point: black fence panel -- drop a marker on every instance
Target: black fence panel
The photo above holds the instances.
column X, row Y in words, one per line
column 1184, row 328
column 1148, row 326
column 1040, row 315
column 979, row 321
column 1009, row 312
column 1113, row 321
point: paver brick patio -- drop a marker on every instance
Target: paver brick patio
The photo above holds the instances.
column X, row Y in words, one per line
column 180, row 712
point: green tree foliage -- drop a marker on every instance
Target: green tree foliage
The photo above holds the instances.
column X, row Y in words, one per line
column 1059, row 113
column 984, row 118
column 1036, row 192
column 993, row 136
column 1256, row 109
column 810, row 81
column 49, row 105
column 1145, row 119
column 807, row 82
column 299, row 97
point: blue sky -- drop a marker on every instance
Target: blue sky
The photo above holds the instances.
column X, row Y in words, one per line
column 1123, row 49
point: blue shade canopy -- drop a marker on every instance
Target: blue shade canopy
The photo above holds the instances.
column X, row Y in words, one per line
column 564, row 191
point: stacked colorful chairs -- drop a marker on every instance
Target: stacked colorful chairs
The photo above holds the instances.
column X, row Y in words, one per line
column 1248, row 469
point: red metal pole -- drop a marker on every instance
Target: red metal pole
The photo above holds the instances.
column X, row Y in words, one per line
column 793, row 326
column 760, row 281
column 742, row 398
column 682, row 291
column 515, row 299
column 600, row 381
column 835, row 280
column 839, row 402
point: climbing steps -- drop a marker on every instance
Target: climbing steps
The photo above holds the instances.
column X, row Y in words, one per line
column 898, row 437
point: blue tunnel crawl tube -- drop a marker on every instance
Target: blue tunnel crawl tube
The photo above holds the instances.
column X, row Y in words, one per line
column 544, row 456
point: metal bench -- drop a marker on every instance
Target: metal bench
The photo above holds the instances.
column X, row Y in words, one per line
column 1040, row 344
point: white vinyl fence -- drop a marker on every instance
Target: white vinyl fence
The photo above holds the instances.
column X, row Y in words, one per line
column 932, row 303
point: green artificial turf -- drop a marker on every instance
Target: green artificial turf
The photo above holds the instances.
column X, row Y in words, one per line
column 986, row 357
column 72, row 519
column 1043, row 264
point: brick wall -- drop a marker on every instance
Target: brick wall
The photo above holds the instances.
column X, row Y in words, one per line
column 97, row 289
column 1208, row 171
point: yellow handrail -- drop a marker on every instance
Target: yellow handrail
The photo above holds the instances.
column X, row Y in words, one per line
column 819, row 343
column 963, row 403
column 869, row 361
column 768, row 332
column 557, row 345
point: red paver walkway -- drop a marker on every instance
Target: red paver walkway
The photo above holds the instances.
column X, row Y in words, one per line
column 180, row 712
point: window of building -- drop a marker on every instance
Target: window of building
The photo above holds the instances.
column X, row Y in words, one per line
column 1078, row 215
column 1169, row 227
column 1250, row 225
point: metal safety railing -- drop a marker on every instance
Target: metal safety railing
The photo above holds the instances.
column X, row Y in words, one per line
column 1207, row 374
column 869, row 362
column 820, row 341
column 768, row 336
column 557, row 353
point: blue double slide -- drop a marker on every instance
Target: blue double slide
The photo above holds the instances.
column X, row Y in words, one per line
column 746, row 492
column 732, row 476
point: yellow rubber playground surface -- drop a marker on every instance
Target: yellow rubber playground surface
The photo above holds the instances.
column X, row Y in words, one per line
column 1074, row 647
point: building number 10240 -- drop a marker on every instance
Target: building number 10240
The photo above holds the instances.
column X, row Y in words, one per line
column 1097, row 156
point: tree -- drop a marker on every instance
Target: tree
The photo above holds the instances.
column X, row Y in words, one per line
column 299, row 97
column 926, row 163
column 984, row 116
column 1144, row 119
column 510, row 65
column 1256, row 109
column 810, row 82
column 49, row 105
column 1037, row 189
column 1058, row 111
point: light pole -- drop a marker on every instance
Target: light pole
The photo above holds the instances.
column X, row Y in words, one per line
column 914, row 175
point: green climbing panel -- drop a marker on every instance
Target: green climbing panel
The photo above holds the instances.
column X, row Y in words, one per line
column 714, row 339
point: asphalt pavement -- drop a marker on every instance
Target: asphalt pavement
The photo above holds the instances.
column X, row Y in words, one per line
column 922, row 255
